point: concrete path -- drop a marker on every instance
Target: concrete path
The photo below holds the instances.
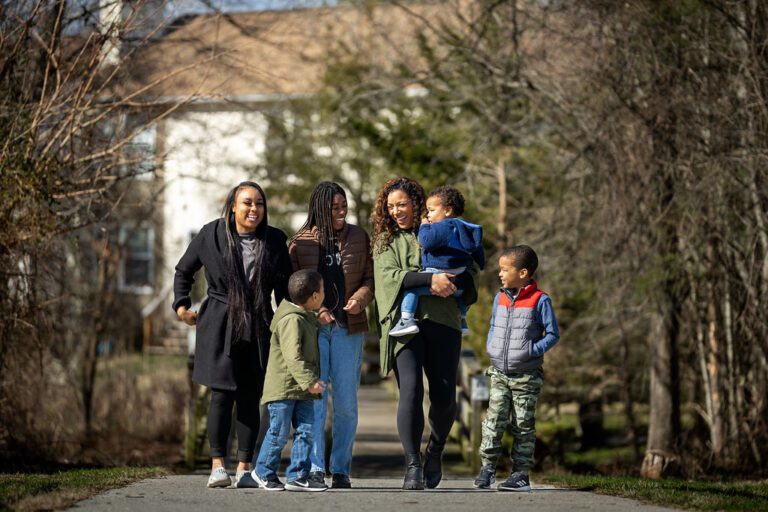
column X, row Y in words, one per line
column 187, row 493
column 377, row 477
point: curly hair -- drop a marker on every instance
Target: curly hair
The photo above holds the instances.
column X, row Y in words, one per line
column 450, row 198
column 384, row 226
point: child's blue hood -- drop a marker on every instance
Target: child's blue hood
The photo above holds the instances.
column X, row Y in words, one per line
column 470, row 236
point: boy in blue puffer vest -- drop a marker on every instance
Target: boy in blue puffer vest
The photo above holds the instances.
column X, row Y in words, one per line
column 449, row 244
column 523, row 328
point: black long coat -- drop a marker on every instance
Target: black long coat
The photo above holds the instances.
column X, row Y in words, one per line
column 220, row 363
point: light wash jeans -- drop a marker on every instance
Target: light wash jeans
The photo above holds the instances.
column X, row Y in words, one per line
column 282, row 415
column 341, row 359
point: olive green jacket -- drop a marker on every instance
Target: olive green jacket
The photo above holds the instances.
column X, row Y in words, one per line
column 294, row 357
column 390, row 265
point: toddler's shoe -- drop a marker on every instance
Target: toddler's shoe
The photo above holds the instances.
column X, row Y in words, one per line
column 464, row 327
column 269, row 484
column 404, row 327
column 305, row 484
column 485, row 478
column 516, row 482
column 244, row 480
column 219, row 478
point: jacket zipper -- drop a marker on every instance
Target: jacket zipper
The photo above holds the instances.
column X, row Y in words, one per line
column 506, row 331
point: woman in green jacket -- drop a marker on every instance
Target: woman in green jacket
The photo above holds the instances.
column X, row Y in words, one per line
column 434, row 351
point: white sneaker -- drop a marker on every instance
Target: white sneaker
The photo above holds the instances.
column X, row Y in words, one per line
column 219, row 478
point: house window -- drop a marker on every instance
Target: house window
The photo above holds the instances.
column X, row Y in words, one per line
column 137, row 266
column 140, row 153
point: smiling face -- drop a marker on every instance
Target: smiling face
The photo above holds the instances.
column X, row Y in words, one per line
column 400, row 208
column 511, row 276
column 339, row 211
column 436, row 211
column 248, row 209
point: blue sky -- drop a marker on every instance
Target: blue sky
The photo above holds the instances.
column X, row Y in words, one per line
column 180, row 7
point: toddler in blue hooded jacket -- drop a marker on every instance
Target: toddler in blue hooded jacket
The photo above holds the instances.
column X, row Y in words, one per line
column 449, row 244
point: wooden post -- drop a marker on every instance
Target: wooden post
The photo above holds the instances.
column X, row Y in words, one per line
column 479, row 394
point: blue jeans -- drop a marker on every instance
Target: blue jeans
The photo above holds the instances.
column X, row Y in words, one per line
column 282, row 415
column 411, row 300
column 341, row 358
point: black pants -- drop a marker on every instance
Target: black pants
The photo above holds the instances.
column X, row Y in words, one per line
column 435, row 351
column 247, row 398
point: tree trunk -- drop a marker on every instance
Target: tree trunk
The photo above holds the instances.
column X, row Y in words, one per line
column 661, row 455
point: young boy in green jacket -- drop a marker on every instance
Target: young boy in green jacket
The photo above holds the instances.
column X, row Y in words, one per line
column 291, row 383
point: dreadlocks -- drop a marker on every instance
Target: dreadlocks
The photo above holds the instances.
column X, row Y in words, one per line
column 320, row 214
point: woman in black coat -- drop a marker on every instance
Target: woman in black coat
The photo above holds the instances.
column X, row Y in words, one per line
column 245, row 260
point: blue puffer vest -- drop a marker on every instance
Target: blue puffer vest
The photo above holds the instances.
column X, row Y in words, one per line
column 514, row 330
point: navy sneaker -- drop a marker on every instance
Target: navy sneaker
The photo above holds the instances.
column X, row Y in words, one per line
column 516, row 482
column 339, row 481
column 485, row 478
column 268, row 484
column 317, row 476
column 305, row 484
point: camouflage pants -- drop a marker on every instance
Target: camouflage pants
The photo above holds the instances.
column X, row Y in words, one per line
column 512, row 402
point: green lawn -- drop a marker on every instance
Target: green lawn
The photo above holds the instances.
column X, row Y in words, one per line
column 48, row 491
column 698, row 495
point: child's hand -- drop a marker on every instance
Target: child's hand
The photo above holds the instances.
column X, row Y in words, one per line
column 326, row 317
column 317, row 388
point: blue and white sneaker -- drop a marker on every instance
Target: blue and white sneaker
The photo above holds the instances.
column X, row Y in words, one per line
column 219, row 478
column 268, row 484
column 485, row 478
column 305, row 484
column 404, row 328
column 244, row 480
column 516, row 482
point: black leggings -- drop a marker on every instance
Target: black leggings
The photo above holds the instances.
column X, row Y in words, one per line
column 435, row 351
column 247, row 424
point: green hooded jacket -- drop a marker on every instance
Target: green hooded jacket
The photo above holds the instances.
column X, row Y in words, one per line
column 294, row 357
column 403, row 255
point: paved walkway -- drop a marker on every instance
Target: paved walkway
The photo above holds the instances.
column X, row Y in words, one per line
column 377, row 477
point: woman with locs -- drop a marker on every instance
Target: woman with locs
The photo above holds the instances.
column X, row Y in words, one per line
column 341, row 253
column 434, row 351
column 245, row 260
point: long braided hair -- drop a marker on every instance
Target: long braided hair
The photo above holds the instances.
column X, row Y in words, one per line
column 320, row 215
column 384, row 226
column 245, row 298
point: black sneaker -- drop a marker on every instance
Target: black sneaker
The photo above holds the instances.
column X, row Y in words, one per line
column 485, row 478
column 339, row 481
column 269, row 484
column 317, row 476
column 305, row 484
column 516, row 482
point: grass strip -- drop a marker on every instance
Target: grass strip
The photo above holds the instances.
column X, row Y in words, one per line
column 698, row 495
column 48, row 491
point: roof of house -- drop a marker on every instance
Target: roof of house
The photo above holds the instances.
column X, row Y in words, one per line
column 271, row 53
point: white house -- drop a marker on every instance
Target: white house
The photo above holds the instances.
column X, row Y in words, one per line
column 220, row 80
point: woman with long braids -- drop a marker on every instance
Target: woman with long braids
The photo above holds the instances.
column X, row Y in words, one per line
column 341, row 253
column 245, row 260
column 434, row 350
